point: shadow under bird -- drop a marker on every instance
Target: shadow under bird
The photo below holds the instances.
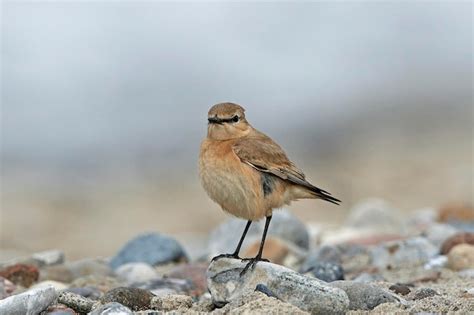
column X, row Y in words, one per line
column 247, row 173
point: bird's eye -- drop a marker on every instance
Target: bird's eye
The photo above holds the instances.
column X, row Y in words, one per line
column 235, row 119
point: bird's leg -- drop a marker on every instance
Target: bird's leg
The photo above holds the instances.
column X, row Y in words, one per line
column 235, row 254
column 253, row 261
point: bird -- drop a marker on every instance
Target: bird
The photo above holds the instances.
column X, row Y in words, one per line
column 248, row 174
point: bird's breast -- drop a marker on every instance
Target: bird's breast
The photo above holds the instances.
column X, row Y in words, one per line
column 235, row 186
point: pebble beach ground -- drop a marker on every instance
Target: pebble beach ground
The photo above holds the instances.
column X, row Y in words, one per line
column 377, row 262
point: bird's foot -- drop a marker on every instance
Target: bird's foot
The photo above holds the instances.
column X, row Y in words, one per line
column 251, row 263
column 234, row 255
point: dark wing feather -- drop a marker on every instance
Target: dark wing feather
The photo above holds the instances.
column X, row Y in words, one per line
column 263, row 154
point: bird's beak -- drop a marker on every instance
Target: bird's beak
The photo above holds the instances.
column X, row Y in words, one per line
column 214, row 120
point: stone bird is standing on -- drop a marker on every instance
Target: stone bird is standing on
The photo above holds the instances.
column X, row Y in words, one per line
column 247, row 173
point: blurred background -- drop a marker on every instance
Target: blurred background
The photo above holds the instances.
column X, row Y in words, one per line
column 104, row 105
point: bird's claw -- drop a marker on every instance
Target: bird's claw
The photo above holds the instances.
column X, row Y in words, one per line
column 251, row 263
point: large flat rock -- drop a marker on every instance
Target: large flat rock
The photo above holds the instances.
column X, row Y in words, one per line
column 317, row 297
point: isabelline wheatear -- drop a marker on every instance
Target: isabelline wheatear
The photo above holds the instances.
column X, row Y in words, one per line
column 247, row 173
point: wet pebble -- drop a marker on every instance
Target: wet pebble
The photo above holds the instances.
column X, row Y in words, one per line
column 151, row 248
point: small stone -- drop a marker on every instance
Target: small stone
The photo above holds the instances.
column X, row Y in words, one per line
column 265, row 290
column 325, row 253
column 60, row 309
column 133, row 298
column 165, row 286
column 437, row 262
column 194, row 272
column 49, row 257
column 422, row 293
column 466, row 273
column 6, row 288
column 327, row 271
column 456, row 211
column 30, row 302
column 363, row 296
column 151, row 248
column 400, row 288
column 461, row 257
column 55, row 284
column 285, row 226
column 438, row 233
column 112, row 308
column 136, row 272
column 227, row 285
column 70, row 271
column 102, row 283
column 460, row 238
column 376, row 215
column 171, row 302
column 407, row 253
column 89, row 292
column 76, row 302
column 24, row 275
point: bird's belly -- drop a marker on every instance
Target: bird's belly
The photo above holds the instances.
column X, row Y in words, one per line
column 234, row 187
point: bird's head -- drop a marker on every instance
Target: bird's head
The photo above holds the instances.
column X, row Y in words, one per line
column 227, row 121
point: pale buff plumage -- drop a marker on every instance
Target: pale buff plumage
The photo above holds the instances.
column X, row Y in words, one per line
column 237, row 161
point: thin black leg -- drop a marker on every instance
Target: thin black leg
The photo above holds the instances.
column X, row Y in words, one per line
column 253, row 261
column 235, row 254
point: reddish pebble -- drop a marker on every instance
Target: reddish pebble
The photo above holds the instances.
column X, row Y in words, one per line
column 20, row 274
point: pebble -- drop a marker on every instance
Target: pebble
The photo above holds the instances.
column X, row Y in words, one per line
column 364, row 296
column 75, row 301
column 226, row 285
column 49, row 257
column 400, row 288
column 171, row 302
column 33, row 301
column 438, row 233
column 101, row 283
column 49, row 283
column 112, row 308
column 407, row 253
column 194, row 272
column 165, row 286
column 460, row 238
column 376, row 215
column 136, row 272
column 134, row 298
column 20, row 274
column 70, row 271
column 327, row 271
column 437, row 262
column 284, row 226
column 461, row 257
column 6, row 288
column 422, row 293
column 151, row 248
column 265, row 290
column 87, row 292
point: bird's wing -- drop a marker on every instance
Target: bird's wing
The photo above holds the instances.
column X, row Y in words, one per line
column 263, row 154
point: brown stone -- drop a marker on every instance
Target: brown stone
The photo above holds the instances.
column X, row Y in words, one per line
column 456, row 211
column 20, row 274
column 460, row 238
column 275, row 250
